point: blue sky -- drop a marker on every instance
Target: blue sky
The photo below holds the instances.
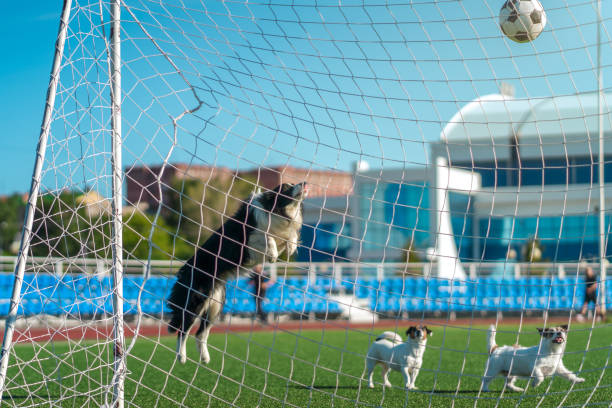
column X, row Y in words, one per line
column 27, row 37
column 303, row 93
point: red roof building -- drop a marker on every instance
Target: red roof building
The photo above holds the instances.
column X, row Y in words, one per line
column 144, row 182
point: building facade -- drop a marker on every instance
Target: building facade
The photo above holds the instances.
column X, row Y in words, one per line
column 391, row 214
column 536, row 161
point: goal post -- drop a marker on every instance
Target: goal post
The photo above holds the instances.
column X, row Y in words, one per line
column 601, row 166
column 119, row 365
column 33, row 196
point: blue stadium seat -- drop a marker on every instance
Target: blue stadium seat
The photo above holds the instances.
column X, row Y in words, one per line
column 4, row 305
column 537, row 302
column 323, row 283
column 490, row 303
column 131, row 286
column 421, row 284
column 432, row 287
column 556, row 303
column 507, row 287
column 413, row 304
column 393, row 304
column 430, row 305
column 410, row 285
column 507, row 303
column 293, row 281
column 366, row 288
column 395, row 285
column 84, row 295
column 464, row 304
column 348, row 285
column 333, row 307
column 540, row 286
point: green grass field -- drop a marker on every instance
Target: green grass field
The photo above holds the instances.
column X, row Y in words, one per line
column 307, row 368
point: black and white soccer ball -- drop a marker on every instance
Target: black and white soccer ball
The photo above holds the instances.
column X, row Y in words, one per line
column 522, row 20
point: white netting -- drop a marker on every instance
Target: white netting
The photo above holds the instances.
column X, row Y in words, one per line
column 453, row 178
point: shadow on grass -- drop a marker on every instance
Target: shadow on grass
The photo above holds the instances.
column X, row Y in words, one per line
column 325, row 387
column 451, row 392
column 354, row 387
column 32, row 396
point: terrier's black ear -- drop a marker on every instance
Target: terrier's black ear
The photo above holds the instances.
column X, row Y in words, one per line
column 545, row 332
column 564, row 327
column 429, row 332
column 410, row 330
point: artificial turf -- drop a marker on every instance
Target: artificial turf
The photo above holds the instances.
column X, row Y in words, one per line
column 316, row 368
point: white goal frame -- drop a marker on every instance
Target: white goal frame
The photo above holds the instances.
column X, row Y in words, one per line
column 33, row 197
column 119, row 364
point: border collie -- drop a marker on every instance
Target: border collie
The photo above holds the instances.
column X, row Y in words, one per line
column 265, row 226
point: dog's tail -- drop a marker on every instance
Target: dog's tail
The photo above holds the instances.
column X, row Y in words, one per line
column 492, row 345
column 391, row 336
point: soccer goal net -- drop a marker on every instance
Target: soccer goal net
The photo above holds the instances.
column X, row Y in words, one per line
column 455, row 160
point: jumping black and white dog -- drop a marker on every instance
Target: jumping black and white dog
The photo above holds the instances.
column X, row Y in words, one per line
column 264, row 227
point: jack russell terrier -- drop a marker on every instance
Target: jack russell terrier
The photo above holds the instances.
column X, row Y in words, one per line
column 537, row 362
column 393, row 354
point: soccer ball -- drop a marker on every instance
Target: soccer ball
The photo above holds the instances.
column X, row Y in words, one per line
column 522, row 20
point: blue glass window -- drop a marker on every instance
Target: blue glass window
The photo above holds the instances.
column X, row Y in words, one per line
column 394, row 214
column 535, row 172
column 569, row 238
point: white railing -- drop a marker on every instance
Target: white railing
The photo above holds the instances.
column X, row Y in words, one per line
column 332, row 270
column 88, row 265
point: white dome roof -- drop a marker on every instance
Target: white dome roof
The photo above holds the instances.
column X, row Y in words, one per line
column 556, row 119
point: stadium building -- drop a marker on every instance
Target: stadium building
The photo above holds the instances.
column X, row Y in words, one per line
column 534, row 177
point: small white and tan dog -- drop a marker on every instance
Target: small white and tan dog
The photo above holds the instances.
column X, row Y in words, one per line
column 393, row 354
column 537, row 362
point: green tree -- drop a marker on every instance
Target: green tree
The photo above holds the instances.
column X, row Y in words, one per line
column 12, row 213
column 532, row 251
column 136, row 230
column 409, row 253
column 64, row 225
column 64, row 228
column 194, row 209
column 61, row 226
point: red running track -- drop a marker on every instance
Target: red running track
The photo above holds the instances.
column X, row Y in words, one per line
column 104, row 332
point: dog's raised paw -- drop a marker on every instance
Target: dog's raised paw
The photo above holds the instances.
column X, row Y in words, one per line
column 204, row 358
column 203, row 349
column 579, row 380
